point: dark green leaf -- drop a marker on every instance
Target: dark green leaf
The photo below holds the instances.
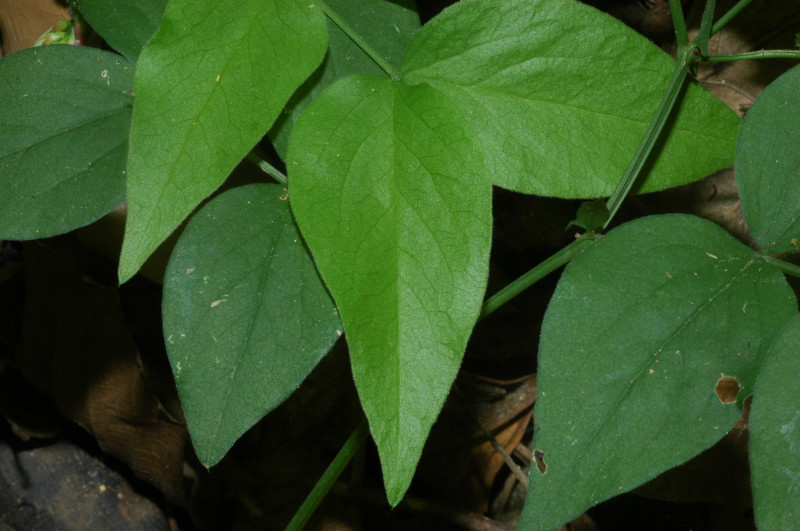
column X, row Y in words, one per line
column 641, row 329
column 126, row 25
column 561, row 95
column 390, row 191
column 64, row 123
column 775, row 434
column 209, row 85
column 246, row 316
column 768, row 167
column 386, row 26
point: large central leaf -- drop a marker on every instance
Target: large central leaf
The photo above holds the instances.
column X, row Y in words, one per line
column 208, row 86
column 390, row 192
column 561, row 95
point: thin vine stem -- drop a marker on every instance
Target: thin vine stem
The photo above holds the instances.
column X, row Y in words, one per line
column 651, row 136
column 329, row 477
column 267, row 168
column 391, row 71
column 679, row 23
column 537, row 273
column 761, row 54
column 787, row 267
column 732, row 12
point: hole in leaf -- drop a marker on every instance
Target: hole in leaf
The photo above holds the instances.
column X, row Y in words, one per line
column 727, row 389
column 538, row 459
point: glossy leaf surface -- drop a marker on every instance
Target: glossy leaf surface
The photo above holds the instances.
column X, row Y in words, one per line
column 387, row 26
column 775, row 434
column 389, row 190
column 641, row 328
column 209, row 85
column 246, row 316
column 126, row 25
column 64, row 122
column 768, row 168
column 547, row 83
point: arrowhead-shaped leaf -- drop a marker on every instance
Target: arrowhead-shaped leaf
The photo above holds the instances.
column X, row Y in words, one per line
column 642, row 330
column 126, row 25
column 64, row 122
column 775, row 434
column 246, row 316
column 389, row 189
column 387, row 26
column 209, row 85
column 561, row 95
column 768, row 168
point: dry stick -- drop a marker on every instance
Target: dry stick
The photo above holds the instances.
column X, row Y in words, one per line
column 509, row 461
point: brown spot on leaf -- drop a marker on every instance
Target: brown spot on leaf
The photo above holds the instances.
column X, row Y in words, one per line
column 538, row 459
column 727, row 389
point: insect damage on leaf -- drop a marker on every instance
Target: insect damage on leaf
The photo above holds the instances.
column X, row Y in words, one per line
column 538, row 459
column 727, row 389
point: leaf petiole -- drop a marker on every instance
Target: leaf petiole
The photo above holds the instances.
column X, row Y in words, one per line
column 267, row 168
column 391, row 71
column 681, row 35
column 761, row 54
column 537, row 273
column 786, row 267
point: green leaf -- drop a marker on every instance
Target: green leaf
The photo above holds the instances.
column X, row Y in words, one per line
column 561, row 95
column 209, row 85
column 641, row 330
column 390, row 192
column 591, row 216
column 774, row 435
column 126, row 25
column 768, row 168
column 386, row 26
column 64, row 126
column 246, row 316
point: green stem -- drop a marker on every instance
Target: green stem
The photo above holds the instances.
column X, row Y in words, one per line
column 651, row 136
column 787, row 267
column 329, row 477
column 391, row 71
column 679, row 23
column 537, row 273
column 762, row 54
column 732, row 12
column 267, row 168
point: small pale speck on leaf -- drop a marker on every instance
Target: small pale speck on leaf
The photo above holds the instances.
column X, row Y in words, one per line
column 216, row 303
column 538, row 459
column 190, row 270
column 727, row 389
